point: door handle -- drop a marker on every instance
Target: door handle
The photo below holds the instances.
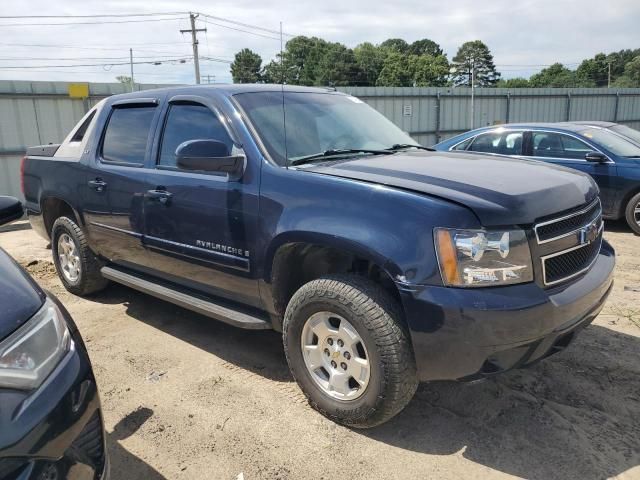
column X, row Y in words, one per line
column 98, row 184
column 161, row 196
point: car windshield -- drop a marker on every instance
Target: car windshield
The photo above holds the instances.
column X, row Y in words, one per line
column 627, row 132
column 612, row 142
column 318, row 123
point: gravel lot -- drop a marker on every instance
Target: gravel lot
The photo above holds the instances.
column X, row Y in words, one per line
column 187, row 397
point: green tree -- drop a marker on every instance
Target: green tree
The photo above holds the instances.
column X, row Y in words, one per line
column 246, row 67
column 594, row 70
column 425, row 47
column 429, row 71
column 337, row 66
column 396, row 71
column 559, row 76
column 518, row 82
column 370, row 59
column 123, row 79
column 631, row 75
column 396, row 44
column 475, row 56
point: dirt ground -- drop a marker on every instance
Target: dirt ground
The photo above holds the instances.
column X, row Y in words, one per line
column 186, row 397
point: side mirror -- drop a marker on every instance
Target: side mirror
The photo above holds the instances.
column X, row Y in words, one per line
column 209, row 156
column 596, row 157
column 10, row 210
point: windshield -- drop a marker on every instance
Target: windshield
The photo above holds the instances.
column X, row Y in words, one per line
column 612, row 142
column 316, row 123
column 627, row 132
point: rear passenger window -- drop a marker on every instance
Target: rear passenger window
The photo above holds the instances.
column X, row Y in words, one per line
column 557, row 145
column 82, row 130
column 502, row 143
column 189, row 122
column 127, row 134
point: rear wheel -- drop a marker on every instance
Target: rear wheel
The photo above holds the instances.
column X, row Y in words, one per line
column 349, row 350
column 632, row 213
column 77, row 266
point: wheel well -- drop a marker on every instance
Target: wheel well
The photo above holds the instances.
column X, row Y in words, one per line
column 54, row 208
column 298, row 263
column 625, row 201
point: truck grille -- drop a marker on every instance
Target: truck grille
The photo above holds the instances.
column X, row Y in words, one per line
column 553, row 229
column 569, row 264
column 570, row 243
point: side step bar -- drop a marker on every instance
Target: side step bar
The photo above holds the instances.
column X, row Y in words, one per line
column 226, row 314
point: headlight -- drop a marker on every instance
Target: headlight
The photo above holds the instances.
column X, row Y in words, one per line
column 479, row 258
column 29, row 354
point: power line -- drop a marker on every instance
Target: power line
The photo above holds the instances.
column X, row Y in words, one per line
column 66, row 24
column 247, row 25
column 96, row 15
column 110, row 64
column 239, row 30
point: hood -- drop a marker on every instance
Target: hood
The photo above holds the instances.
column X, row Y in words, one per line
column 500, row 190
column 20, row 296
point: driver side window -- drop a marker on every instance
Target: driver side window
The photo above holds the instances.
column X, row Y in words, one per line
column 189, row 121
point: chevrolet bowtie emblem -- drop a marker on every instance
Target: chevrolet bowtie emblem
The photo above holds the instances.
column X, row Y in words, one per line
column 335, row 354
column 589, row 233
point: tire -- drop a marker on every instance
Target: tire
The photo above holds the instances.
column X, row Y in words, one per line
column 88, row 279
column 385, row 345
column 633, row 218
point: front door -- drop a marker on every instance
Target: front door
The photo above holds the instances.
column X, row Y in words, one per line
column 200, row 227
column 569, row 151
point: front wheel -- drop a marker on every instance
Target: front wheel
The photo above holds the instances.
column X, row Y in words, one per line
column 632, row 213
column 349, row 350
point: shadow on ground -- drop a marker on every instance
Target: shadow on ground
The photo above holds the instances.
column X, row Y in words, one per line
column 575, row 415
column 125, row 465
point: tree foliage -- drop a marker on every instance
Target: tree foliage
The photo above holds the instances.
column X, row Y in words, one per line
column 397, row 63
column 246, row 67
column 475, row 57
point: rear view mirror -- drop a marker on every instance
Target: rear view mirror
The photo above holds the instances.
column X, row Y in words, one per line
column 596, row 157
column 209, row 156
column 10, row 209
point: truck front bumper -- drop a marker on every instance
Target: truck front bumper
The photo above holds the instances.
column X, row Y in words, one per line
column 466, row 334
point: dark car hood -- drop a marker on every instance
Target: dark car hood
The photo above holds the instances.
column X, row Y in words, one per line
column 20, row 296
column 500, row 190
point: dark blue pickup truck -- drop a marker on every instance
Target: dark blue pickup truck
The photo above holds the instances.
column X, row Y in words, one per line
column 305, row 211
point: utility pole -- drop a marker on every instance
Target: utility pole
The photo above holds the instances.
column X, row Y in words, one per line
column 131, row 64
column 473, row 84
column 194, row 42
column 209, row 77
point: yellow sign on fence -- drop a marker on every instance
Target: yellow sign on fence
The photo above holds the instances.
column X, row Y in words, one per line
column 78, row 90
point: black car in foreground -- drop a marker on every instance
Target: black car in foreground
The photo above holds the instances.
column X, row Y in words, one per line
column 50, row 417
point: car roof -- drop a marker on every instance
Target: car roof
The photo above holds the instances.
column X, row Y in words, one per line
column 227, row 90
column 570, row 126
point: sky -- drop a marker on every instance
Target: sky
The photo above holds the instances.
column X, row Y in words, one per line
column 523, row 35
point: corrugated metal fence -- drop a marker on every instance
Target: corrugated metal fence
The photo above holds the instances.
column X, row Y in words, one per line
column 433, row 114
column 35, row 113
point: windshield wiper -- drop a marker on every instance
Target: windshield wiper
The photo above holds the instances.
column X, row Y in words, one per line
column 335, row 152
column 402, row 146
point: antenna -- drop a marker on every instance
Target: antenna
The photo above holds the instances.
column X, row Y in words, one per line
column 284, row 110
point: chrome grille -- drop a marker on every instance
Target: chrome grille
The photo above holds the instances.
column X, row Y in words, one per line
column 568, row 224
column 570, row 244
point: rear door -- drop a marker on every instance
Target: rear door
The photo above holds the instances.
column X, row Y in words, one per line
column 569, row 151
column 116, row 181
column 200, row 228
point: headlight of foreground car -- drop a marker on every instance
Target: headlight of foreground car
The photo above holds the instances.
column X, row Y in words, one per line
column 479, row 258
column 31, row 353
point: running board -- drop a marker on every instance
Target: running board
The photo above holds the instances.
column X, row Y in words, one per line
column 226, row 314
